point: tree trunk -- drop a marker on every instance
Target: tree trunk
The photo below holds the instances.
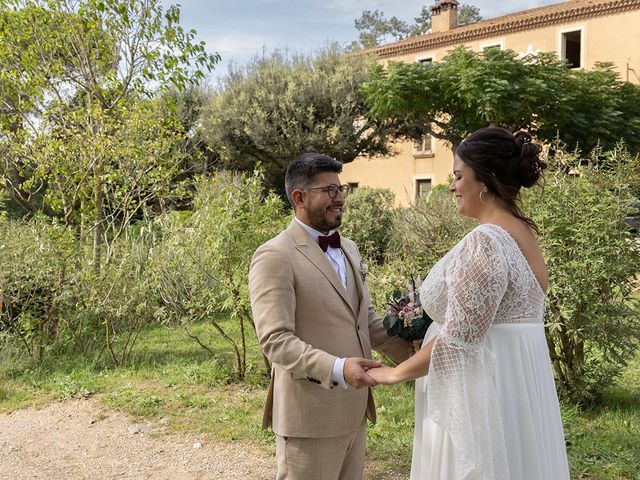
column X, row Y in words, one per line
column 98, row 219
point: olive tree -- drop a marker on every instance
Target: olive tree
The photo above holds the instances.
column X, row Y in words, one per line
column 278, row 106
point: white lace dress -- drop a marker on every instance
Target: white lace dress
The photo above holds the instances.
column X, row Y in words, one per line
column 488, row 408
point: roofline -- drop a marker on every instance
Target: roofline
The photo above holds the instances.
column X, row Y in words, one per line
column 490, row 29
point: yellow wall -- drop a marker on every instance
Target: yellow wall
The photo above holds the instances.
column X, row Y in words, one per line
column 613, row 38
column 400, row 172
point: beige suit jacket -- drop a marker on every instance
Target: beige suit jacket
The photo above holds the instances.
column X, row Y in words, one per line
column 305, row 319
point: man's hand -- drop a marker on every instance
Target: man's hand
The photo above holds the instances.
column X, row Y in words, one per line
column 355, row 372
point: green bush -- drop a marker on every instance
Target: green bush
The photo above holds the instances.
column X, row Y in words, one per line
column 423, row 233
column 593, row 319
column 115, row 304
column 383, row 280
column 52, row 299
column 204, row 262
column 368, row 221
column 38, row 263
column 420, row 236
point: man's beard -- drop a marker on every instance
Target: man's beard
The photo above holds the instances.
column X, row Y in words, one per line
column 322, row 224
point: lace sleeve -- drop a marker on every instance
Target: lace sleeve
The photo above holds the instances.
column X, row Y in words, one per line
column 461, row 392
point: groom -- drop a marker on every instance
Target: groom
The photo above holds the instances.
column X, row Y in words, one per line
column 315, row 323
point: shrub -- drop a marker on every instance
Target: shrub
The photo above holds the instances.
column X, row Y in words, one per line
column 38, row 261
column 423, row 233
column 51, row 297
column 420, row 236
column 593, row 319
column 383, row 280
column 368, row 221
column 115, row 304
column 204, row 264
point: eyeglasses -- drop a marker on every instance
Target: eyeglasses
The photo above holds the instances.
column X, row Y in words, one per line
column 333, row 189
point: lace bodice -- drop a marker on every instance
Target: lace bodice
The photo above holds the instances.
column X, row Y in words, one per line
column 486, row 270
column 484, row 280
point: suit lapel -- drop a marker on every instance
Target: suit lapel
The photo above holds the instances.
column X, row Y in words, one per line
column 310, row 249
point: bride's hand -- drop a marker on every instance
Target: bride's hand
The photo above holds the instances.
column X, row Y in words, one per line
column 382, row 375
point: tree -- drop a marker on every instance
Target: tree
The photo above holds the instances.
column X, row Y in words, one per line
column 422, row 22
column 468, row 14
column 469, row 90
column 200, row 157
column 279, row 106
column 76, row 72
column 375, row 29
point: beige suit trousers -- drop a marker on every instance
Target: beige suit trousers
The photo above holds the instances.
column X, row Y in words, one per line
column 334, row 458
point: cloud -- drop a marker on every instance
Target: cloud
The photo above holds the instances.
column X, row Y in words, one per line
column 238, row 44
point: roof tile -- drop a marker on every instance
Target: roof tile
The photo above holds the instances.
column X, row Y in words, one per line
column 514, row 22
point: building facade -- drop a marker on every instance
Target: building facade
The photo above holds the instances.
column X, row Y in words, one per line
column 583, row 32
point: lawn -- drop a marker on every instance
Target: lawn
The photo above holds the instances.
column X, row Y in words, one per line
column 171, row 377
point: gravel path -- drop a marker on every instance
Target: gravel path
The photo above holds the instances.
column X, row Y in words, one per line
column 81, row 440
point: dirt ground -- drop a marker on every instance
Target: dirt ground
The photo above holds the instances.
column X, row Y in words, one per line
column 80, row 440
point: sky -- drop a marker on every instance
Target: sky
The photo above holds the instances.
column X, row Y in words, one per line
column 241, row 29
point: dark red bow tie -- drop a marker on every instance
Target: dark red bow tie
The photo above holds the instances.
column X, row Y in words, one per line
column 332, row 240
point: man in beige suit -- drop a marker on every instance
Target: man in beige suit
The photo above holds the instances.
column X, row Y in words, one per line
column 316, row 325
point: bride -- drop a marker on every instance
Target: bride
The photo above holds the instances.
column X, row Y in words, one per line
column 486, row 404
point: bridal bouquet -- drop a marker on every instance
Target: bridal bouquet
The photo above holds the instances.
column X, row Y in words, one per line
column 405, row 317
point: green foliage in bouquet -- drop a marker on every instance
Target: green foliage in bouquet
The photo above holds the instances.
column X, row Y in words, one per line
column 405, row 316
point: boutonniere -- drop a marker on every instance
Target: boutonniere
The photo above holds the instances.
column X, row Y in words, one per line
column 364, row 269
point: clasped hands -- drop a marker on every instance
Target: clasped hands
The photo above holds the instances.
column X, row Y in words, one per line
column 357, row 372
column 362, row 372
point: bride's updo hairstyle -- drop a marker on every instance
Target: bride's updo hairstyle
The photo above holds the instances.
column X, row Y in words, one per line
column 504, row 162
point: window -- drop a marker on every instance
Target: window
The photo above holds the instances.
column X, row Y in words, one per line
column 423, row 147
column 570, row 46
column 426, row 59
column 353, row 187
column 423, row 187
column 486, row 46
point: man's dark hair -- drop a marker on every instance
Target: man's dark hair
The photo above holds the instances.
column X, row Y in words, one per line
column 301, row 172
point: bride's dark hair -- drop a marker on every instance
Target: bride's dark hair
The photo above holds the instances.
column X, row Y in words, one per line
column 504, row 162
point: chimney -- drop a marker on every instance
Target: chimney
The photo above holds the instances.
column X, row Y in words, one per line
column 444, row 16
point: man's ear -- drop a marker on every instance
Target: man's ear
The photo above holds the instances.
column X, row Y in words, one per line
column 298, row 198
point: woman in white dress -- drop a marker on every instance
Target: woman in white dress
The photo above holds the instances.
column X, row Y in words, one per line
column 486, row 403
